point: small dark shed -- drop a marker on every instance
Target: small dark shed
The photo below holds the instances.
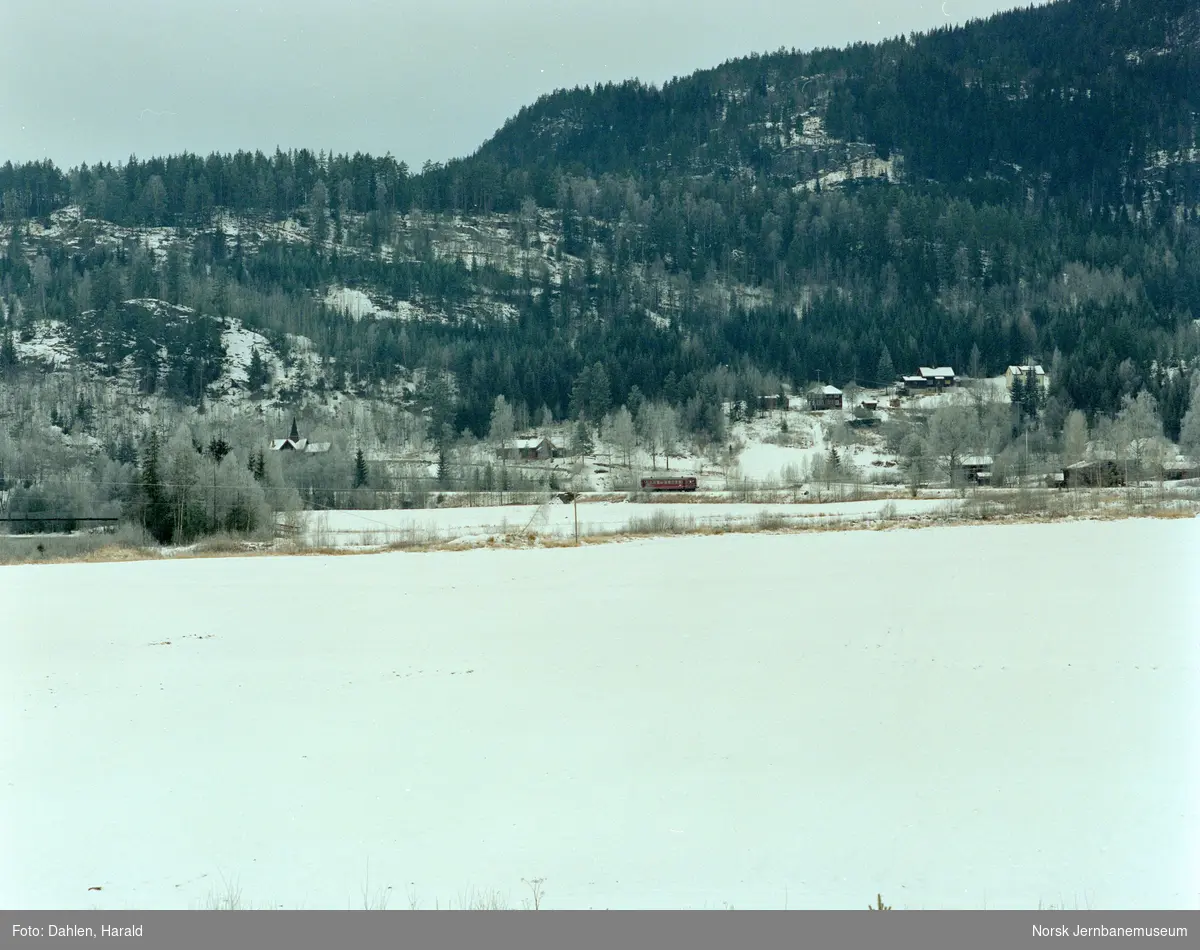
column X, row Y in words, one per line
column 1102, row 473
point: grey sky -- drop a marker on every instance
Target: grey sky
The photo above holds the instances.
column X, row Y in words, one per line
column 82, row 80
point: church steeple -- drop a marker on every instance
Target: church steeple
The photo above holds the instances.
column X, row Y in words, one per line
column 295, row 434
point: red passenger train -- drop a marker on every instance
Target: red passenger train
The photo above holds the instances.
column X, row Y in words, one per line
column 684, row 483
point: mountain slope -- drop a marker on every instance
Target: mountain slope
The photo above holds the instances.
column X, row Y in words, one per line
column 1076, row 96
column 1021, row 186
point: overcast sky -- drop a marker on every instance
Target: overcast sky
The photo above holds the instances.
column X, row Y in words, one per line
column 84, row 80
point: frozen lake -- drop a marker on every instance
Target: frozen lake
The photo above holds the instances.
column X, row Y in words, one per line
column 955, row 717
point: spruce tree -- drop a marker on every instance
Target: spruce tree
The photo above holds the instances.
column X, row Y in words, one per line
column 175, row 273
column 8, row 350
column 256, row 374
column 156, row 507
column 886, row 372
column 583, row 439
column 1018, row 401
column 360, row 469
column 445, row 437
column 1034, row 396
column 635, row 400
column 126, row 452
column 599, row 395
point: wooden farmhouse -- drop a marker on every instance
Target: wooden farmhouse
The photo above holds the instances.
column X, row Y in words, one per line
column 529, row 449
column 928, row 377
column 827, row 397
column 938, row 376
column 976, row 468
column 1026, row 373
column 1181, row 467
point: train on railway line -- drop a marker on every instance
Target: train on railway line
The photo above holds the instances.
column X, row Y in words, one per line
column 682, row 483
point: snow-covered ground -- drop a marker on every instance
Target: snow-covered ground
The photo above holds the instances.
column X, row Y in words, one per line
column 991, row 389
column 761, row 461
column 354, row 303
column 240, row 344
column 557, row 520
column 49, row 345
column 954, row 717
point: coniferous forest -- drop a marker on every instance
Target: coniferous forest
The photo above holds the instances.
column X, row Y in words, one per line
column 1022, row 187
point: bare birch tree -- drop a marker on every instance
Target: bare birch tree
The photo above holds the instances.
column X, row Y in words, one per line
column 619, row 430
column 501, row 430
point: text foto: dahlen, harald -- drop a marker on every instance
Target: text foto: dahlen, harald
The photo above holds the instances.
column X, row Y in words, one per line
column 56, row 930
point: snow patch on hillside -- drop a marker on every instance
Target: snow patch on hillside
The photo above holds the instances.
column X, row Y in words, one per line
column 358, row 305
column 161, row 307
column 240, row 344
column 49, row 345
column 353, row 303
column 858, row 170
column 1165, row 159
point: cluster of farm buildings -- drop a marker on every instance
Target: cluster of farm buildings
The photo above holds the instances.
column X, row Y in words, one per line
column 1100, row 471
column 926, row 379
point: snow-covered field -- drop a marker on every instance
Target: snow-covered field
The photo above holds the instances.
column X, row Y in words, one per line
column 954, row 717
column 761, row 460
column 557, row 520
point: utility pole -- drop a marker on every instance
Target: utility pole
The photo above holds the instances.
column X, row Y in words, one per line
column 576, row 478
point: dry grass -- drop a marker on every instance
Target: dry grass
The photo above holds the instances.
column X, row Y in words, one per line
column 58, row 549
column 983, row 507
column 227, row 544
column 661, row 522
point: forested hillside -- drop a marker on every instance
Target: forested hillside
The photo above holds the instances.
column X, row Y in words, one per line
column 1023, row 186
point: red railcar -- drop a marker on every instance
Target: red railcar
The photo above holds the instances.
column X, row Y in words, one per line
column 684, row 483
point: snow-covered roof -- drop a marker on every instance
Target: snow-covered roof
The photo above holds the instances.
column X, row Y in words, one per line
column 831, row 391
column 977, row 460
column 1020, row 370
column 531, row 442
column 299, row 445
column 937, row 372
column 1098, row 451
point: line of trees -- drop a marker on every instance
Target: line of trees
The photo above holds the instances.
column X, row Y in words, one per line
column 659, row 261
column 1020, row 438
